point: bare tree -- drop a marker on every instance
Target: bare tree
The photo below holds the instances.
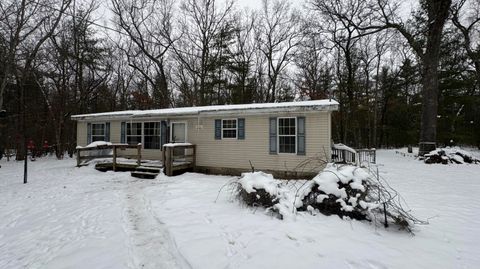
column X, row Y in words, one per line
column 278, row 34
column 204, row 26
column 341, row 21
column 313, row 62
column 425, row 42
column 148, row 24
column 25, row 26
column 466, row 18
column 424, row 39
column 72, row 72
column 242, row 53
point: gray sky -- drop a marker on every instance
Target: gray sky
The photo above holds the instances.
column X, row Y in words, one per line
column 103, row 14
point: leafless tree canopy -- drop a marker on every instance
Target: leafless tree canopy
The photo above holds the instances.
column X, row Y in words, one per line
column 401, row 76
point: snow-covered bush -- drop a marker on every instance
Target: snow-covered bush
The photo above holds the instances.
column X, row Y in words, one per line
column 261, row 189
column 356, row 192
column 450, row 155
column 343, row 190
column 340, row 190
column 258, row 189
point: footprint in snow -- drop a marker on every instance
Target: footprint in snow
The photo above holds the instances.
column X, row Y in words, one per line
column 291, row 237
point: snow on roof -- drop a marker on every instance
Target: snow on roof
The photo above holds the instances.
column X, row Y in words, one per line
column 325, row 104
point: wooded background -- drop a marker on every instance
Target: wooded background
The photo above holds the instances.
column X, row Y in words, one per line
column 399, row 76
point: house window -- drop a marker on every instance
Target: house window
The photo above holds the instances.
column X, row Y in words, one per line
column 287, row 135
column 134, row 133
column 98, row 132
column 229, row 128
column 151, row 135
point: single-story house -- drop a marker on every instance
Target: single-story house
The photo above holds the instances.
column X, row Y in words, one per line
column 287, row 139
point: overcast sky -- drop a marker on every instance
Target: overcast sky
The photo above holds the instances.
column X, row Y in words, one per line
column 104, row 16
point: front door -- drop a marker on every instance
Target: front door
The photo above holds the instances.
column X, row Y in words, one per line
column 178, row 133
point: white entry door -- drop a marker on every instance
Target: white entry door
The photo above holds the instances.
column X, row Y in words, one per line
column 178, row 133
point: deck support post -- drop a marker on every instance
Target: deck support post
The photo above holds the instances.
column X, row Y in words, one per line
column 163, row 156
column 168, row 161
column 139, row 154
column 78, row 158
column 114, row 161
column 194, row 153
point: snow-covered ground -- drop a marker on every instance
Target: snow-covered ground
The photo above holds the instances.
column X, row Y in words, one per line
column 68, row 217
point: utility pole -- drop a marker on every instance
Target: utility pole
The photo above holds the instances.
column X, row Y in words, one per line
column 25, row 164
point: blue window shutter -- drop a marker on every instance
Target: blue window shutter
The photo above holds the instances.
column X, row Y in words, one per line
column 241, row 128
column 123, row 131
column 107, row 132
column 301, row 136
column 168, row 131
column 218, row 129
column 89, row 133
column 273, row 135
column 163, row 133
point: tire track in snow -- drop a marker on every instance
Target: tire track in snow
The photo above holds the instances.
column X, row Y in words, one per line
column 150, row 244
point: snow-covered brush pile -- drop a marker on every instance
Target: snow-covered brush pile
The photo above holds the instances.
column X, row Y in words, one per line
column 355, row 192
column 343, row 190
column 338, row 190
column 450, row 155
column 258, row 189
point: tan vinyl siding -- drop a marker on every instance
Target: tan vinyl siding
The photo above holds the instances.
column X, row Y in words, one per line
column 115, row 131
column 81, row 133
column 235, row 153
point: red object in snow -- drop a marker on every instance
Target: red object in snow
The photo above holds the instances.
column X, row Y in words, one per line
column 45, row 145
column 30, row 145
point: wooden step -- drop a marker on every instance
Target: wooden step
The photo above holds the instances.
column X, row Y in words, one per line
column 148, row 169
column 142, row 174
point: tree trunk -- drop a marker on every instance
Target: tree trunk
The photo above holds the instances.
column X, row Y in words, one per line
column 437, row 16
column 428, row 131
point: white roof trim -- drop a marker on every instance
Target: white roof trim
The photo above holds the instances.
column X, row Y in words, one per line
column 325, row 105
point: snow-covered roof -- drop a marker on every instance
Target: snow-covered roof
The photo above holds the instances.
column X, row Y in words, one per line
column 325, row 105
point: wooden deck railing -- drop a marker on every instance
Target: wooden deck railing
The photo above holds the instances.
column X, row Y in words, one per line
column 114, row 155
column 343, row 156
column 361, row 156
column 367, row 155
column 178, row 156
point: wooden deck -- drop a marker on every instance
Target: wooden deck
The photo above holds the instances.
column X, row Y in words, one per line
column 114, row 149
column 176, row 159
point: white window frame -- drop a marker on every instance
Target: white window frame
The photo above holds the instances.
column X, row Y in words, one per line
column 159, row 135
column 104, row 131
column 186, row 130
column 236, row 128
column 295, row 135
column 141, row 130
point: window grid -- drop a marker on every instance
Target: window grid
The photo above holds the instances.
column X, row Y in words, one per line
column 134, row 133
column 287, row 135
column 229, row 128
column 151, row 135
column 98, row 132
